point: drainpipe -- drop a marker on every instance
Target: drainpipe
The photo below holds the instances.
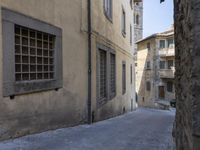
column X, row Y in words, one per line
column 89, row 63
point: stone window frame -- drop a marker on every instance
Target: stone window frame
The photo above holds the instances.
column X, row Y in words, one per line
column 109, row 95
column 108, row 11
column 10, row 86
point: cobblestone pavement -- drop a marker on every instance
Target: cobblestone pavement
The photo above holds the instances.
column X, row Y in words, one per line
column 143, row 129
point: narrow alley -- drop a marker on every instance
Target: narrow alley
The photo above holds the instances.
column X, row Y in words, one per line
column 143, row 129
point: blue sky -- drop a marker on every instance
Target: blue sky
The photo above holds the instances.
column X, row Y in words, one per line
column 157, row 17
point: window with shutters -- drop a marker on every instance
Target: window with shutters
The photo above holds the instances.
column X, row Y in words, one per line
column 123, row 78
column 108, row 9
column 32, row 54
column 112, row 75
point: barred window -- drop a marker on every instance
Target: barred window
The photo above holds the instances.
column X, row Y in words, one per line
column 103, row 77
column 131, row 73
column 123, row 78
column 112, row 75
column 34, row 54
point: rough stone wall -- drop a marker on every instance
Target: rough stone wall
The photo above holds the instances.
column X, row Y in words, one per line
column 187, row 32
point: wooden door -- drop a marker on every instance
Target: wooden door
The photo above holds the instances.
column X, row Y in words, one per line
column 161, row 92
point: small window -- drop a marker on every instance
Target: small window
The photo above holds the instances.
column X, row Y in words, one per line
column 162, row 64
column 148, row 86
column 108, row 8
column 123, row 22
column 137, row 19
column 170, row 64
column 162, row 44
column 123, row 78
column 131, row 35
column 170, row 86
column 148, row 65
column 148, row 46
column 170, row 43
column 112, row 75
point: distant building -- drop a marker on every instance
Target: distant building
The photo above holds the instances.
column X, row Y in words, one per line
column 155, row 69
column 138, row 21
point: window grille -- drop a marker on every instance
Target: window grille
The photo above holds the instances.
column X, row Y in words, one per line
column 112, row 74
column 103, row 77
column 34, row 54
column 123, row 78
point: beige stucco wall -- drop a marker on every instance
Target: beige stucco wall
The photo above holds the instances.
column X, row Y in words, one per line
column 50, row 109
column 109, row 34
column 36, row 112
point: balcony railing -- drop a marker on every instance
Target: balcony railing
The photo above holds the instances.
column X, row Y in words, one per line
column 167, row 52
column 167, row 73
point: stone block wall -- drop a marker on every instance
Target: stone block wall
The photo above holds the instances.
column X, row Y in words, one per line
column 187, row 37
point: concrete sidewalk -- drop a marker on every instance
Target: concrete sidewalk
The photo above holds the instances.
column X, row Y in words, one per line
column 144, row 129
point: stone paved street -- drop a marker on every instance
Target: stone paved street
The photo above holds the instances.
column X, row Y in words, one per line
column 144, row 129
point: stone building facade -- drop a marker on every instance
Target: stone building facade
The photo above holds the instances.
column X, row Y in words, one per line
column 138, row 21
column 155, row 70
column 187, row 31
column 64, row 63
